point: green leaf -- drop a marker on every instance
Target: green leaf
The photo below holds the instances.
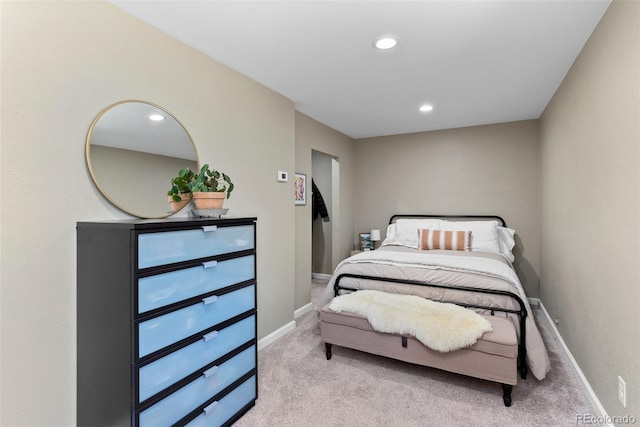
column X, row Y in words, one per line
column 231, row 187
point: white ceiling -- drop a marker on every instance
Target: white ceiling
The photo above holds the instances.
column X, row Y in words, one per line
column 477, row 62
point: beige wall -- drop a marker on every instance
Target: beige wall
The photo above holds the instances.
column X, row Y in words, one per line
column 479, row 170
column 62, row 63
column 590, row 196
column 312, row 135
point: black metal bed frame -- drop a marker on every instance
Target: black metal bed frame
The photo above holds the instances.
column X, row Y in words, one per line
column 407, row 216
column 521, row 313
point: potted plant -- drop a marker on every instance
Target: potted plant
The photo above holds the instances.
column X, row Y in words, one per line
column 210, row 188
column 179, row 194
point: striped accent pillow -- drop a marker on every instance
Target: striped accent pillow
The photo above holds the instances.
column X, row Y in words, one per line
column 448, row 240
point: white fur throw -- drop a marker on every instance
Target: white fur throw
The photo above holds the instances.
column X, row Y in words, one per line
column 440, row 326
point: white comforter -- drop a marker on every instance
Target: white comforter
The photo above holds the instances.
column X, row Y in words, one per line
column 469, row 269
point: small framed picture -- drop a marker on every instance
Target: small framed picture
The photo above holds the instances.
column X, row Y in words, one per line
column 300, row 188
column 366, row 244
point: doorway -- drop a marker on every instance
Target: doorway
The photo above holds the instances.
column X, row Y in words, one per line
column 325, row 173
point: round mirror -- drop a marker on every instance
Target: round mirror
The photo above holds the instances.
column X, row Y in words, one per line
column 134, row 149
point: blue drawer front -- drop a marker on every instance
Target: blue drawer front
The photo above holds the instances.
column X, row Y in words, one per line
column 177, row 405
column 164, row 330
column 164, row 289
column 167, row 371
column 174, row 246
column 218, row 413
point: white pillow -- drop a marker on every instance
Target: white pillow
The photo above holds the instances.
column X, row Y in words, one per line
column 390, row 236
column 484, row 234
column 404, row 232
column 506, row 241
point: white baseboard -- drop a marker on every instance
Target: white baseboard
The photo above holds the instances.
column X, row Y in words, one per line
column 280, row 332
column 276, row 335
column 321, row 276
column 595, row 402
column 302, row 310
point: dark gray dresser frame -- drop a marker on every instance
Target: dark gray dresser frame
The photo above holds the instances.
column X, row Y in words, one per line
column 106, row 270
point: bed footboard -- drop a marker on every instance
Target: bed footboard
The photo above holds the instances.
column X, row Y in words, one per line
column 493, row 357
column 521, row 312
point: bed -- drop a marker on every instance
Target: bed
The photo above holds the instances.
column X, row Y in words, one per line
column 416, row 258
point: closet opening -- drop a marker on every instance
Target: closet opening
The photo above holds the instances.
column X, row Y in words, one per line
column 325, row 201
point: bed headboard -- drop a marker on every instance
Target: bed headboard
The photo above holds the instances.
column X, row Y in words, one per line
column 500, row 220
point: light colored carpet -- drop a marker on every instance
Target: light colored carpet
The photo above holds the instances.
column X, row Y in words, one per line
column 297, row 386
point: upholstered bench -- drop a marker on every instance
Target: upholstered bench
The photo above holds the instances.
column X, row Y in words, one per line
column 493, row 357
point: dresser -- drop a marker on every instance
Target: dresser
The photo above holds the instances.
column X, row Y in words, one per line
column 166, row 322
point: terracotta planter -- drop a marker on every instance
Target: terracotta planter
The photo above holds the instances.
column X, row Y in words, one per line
column 176, row 206
column 208, row 200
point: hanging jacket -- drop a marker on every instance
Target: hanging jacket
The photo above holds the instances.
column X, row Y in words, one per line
column 317, row 204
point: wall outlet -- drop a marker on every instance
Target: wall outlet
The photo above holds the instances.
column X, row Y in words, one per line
column 622, row 392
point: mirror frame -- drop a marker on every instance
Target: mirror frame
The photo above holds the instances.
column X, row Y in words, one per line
column 90, row 167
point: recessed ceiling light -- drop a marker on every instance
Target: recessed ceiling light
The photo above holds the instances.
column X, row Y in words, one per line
column 156, row 117
column 384, row 43
column 426, row 108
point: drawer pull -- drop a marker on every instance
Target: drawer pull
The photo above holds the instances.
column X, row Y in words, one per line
column 210, row 408
column 209, row 300
column 209, row 264
column 210, row 336
column 210, row 371
column 208, row 228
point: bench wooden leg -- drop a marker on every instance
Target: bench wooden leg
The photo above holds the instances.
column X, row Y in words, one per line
column 327, row 346
column 506, row 397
